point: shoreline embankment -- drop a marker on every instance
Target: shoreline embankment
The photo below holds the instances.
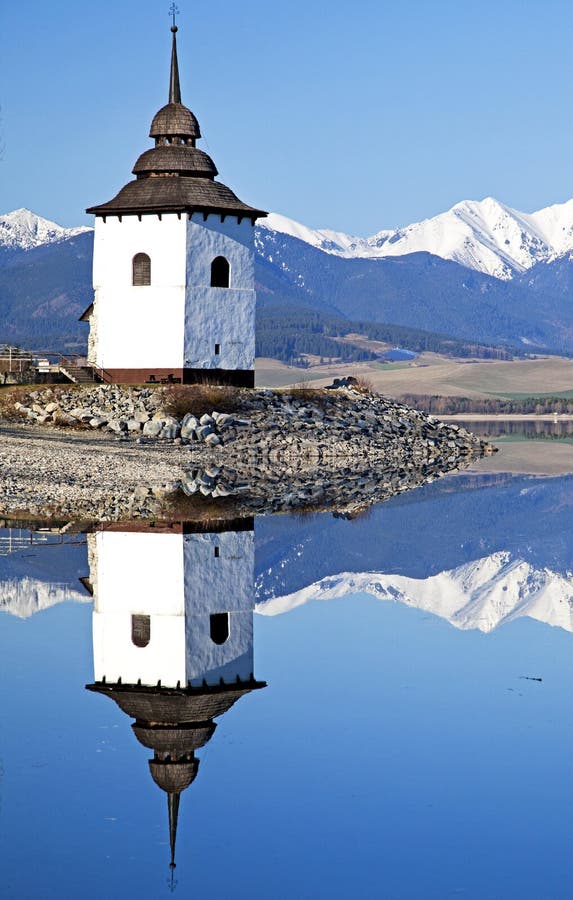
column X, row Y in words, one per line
column 113, row 453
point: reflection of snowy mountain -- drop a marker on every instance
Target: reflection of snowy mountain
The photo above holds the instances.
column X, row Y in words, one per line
column 39, row 577
column 434, row 529
column 482, row 594
column 25, row 596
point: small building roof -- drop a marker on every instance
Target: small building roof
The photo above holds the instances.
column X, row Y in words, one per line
column 85, row 316
column 179, row 738
column 175, row 194
column 175, row 119
column 185, row 161
column 173, row 777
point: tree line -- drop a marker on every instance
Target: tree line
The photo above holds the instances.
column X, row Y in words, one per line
column 289, row 333
column 440, row 406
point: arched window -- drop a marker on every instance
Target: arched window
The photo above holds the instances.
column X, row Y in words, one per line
column 219, row 628
column 141, row 269
column 140, row 630
column 220, row 272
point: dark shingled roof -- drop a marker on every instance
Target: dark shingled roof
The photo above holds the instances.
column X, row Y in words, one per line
column 173, row 777
column 179, row 739
column 175, row 194
column 174, row 119
column 174, row 722
column 180, row 159
column 169, row 706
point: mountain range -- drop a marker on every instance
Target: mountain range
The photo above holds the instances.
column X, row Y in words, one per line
column 436, row 528
column 485, row 235
column 24, row 230
column 480, row 272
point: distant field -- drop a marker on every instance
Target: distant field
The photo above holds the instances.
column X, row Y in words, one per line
column 433, row 374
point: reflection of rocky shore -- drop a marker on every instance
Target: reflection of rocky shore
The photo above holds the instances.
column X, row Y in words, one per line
column 224, row 491
column 306, row 488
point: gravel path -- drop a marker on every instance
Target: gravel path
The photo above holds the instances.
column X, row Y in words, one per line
column 83, row 473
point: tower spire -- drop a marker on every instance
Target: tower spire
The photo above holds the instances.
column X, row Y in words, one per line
column 174, row 86
column 173, row 806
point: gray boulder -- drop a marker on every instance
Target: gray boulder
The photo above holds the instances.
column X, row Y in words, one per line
column 117, row 425
column 170, row 432
column 63, row 418
column 152, row 428
column 204, row 431
column 189, row 421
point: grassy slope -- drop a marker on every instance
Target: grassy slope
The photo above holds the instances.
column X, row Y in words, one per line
column 432, row 374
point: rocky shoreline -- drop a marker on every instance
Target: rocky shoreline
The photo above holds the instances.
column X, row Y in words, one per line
column 113, row 453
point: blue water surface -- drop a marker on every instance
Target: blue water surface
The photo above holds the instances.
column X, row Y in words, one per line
column 391, row 755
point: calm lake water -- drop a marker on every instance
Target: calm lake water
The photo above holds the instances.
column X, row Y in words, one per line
column 559, row 429
column 414, row 738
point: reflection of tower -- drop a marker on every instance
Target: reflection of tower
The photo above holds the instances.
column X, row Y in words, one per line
column 173, row 637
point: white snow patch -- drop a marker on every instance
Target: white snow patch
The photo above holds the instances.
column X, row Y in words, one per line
column 24, row 230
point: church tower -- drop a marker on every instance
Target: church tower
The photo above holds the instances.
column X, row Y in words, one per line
column 173, row 271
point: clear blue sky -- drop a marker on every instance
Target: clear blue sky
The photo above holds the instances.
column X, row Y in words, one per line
column 350, row 116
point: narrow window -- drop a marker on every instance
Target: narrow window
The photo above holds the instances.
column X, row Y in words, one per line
column 141, row 269
column 220, row 272
column 217, row 349
column 216, row 553
column 140, row 630
column 219, row 628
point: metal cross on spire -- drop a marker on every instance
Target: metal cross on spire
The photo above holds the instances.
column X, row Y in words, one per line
column 174, row 11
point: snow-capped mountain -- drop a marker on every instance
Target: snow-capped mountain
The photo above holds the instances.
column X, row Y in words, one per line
column 485, row 235
column 336, row 242
column 483, row 594
column 24, row 230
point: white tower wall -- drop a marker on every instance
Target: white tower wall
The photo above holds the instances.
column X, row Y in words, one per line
column 139, row 327
column 219, row 584
column 220, row 316
column 139, row 574
column 179, row 581
column 178, row 321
